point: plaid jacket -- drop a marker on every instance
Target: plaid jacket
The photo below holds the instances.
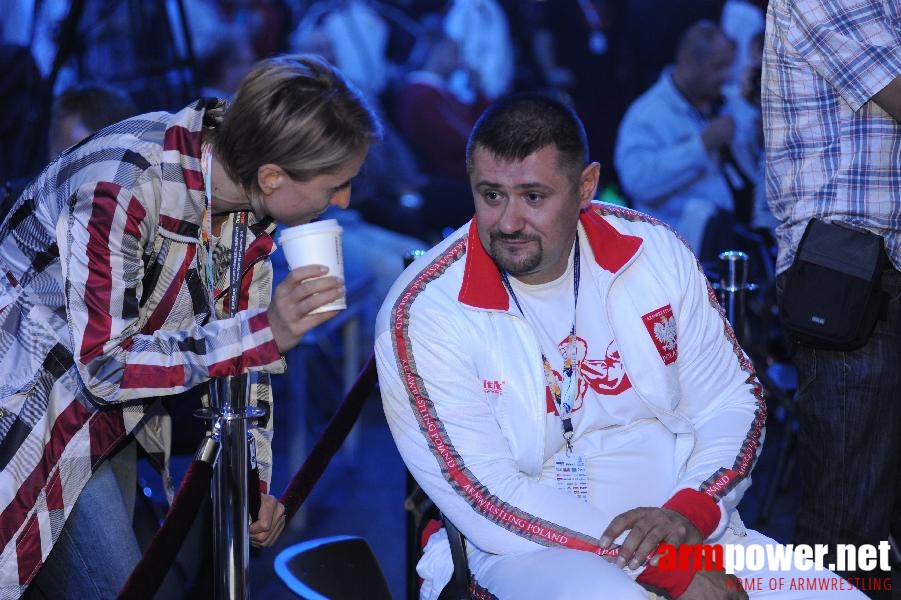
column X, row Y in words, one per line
column 103, row 309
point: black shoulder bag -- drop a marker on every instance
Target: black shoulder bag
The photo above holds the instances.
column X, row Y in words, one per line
column 833, row 296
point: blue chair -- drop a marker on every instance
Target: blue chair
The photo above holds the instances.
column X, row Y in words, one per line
column 342, row 567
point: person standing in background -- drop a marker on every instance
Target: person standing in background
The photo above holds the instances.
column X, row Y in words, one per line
column 831, row 110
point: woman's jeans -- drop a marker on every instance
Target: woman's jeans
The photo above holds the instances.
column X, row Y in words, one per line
column 97, row 548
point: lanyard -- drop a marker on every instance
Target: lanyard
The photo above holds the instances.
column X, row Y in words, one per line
column 239, row 239
column 206, row 227
column 564, row 399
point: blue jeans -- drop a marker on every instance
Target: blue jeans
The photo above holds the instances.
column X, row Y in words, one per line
column 849, row 406
column 97, row 548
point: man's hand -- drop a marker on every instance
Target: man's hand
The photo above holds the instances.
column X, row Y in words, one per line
column 295, row 297
column 714, row 585
column 718, row 132
column 889, row 98
column 266, row 529
column 649, row 527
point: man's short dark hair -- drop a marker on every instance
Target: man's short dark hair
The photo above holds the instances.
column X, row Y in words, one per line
column 697, row 41
column 521, row 124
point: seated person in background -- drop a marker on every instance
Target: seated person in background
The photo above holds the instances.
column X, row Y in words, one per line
column 482, row 30
column 433, row 119
column 673, row 150
column 115, row 298
column 388, row 184
column 353, row 36
column 391, row 190
column 83, row 109
column 560, row 380
column 437, row 123
column 222, row 66
column 749, row 153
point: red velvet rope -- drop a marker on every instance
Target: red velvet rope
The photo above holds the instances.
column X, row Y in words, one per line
column 150, row 571
column 331, row 439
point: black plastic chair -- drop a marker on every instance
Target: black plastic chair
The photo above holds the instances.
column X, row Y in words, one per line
column 342, row 567
column 420, row 511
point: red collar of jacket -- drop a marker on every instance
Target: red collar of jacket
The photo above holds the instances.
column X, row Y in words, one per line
column 482, row 284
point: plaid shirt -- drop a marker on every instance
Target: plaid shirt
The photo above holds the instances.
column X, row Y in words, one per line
column 104, row 307
column 830, row 151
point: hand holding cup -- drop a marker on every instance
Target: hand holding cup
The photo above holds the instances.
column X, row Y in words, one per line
column 297, row 302
column 313, row 291
column 317, row 243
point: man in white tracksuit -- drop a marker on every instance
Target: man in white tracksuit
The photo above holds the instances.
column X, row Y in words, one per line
column 560, row 380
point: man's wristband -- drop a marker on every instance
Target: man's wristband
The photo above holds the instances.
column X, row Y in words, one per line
column 701, row 510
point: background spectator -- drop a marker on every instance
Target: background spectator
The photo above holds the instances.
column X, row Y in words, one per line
column 222, row 65
column 674, row 146
column 574, row 45
column 25, row 98
column 83, row 109
column 742, row 21
column 482, row 30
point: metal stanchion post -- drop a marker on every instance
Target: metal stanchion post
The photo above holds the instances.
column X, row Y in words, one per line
column 228, row 414
column 231, row 538
column 733, row 288
column 232, row 546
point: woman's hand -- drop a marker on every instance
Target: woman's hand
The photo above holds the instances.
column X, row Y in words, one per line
column 269, row 524
column 302, row 291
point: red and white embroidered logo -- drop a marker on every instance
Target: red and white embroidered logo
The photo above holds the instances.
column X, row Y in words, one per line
column 606, row 376
column 493, row 387
column 661, row 325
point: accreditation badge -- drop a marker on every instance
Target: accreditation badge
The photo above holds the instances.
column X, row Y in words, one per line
column 571, row 474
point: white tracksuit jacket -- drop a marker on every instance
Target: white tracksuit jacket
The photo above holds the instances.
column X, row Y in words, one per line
column 447, row 327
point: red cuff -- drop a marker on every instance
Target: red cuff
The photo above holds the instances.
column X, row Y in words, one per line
column 673, row 582
column 264, row 487
column 700, row 509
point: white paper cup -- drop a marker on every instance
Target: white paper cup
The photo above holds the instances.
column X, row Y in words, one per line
column 317, row 243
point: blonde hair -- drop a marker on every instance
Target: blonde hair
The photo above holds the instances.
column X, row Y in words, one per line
column 297, row 112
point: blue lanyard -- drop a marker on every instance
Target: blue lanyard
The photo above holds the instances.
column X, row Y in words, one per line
column 239, row 240
column 564, row 399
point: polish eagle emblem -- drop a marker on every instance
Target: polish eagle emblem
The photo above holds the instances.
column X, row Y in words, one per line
column 661, row 326
column 665, row 332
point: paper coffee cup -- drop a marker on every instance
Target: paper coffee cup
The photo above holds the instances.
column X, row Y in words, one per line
column 317, row 243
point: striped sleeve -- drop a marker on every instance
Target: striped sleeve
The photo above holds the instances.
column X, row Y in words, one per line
column 125, row 350
column 855, row 47
column 724, row 402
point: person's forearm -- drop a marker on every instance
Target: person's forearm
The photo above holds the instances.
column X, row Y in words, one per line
column 889, row 98
column 720, row 397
